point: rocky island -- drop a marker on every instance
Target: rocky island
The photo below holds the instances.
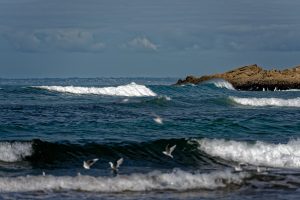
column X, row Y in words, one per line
column 253, row 77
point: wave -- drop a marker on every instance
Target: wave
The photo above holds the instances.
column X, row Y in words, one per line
column 290, row 90
column 221, row 83
column 49, row 152
column 177, row 180
column 258, row 153
column 267, row 101
column 42, row 154
column 129, row 90
column 15, row 151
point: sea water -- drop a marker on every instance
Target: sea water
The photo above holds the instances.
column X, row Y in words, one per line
column 48, row 127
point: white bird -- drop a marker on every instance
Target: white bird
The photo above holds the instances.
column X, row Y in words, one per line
column 87, row 164
column 114, row 166
column 168, row 151
column 261, row 169
column 239, row 167
column 44, row 174
column 158, row 120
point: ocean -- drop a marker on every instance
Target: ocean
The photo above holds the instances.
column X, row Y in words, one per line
column 230, row 144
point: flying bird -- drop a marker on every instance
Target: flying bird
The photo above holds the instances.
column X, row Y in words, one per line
column 168, row 151
column 114, row 166
column 88, row 163
column 158, row 120
column 239, row 167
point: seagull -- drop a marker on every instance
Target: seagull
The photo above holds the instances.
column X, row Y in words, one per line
column 239, row 167
column 169, row 151
column 261, row 169
column 158, row 120
column 87, row 164
column 114, row 166
column 44, row 174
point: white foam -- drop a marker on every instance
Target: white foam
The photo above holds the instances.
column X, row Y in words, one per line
column 259, row 153
column 267, row 101
column 221, row 83
column 129, row 90
column 177, row 180
column 14, row 151
column 291, row 90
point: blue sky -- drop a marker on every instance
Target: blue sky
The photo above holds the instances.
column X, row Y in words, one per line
column 156, row 38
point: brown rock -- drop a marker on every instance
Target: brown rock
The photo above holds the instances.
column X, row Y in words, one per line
column 253, row 77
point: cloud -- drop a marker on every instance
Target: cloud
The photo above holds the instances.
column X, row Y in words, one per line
column 142, row 43
column 233, row 38
column 49, row 40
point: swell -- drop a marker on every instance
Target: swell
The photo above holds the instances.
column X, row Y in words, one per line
column 46, row 154
column 176, row 180
column 189, row 152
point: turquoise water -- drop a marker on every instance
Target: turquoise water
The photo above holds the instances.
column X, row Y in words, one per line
column 52, row 125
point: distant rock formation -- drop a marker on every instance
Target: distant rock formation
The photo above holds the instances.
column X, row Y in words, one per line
column 253, row 77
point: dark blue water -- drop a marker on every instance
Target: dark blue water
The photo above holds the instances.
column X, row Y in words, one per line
column 214, row 127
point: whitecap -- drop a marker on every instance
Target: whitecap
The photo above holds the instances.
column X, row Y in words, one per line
column 295, row 102
column 221, row 83
column 177, row 180
column 129, row 90
column 14, row 151
column 258, row 153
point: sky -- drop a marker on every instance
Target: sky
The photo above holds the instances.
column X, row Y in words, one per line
column 145, row 38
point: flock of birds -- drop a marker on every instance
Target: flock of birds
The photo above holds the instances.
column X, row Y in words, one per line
column 115, row 165
column 168, row 152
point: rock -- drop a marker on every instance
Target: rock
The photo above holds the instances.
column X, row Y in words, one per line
column 253, row 77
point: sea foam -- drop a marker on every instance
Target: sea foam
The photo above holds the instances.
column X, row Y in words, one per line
column 129, row 90
column 14, row 151
column 258, row 153
column 295, row 102
column 177, row 180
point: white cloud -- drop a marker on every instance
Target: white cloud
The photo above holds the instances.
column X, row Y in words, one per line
column 142, row 43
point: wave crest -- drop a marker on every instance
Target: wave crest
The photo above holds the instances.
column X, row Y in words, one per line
column 177, row 180
column 221, row 83
column 14, row 151
column 258, row 154
column 267, row 101
column 129, row 90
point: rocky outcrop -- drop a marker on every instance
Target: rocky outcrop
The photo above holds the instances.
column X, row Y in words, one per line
column 253, row 77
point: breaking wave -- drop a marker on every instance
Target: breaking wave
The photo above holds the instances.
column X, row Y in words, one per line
column 267, row 101
column 221, row 83
column 258, row 153
column 15, row 151
column 129, row 90
column 177, row 180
